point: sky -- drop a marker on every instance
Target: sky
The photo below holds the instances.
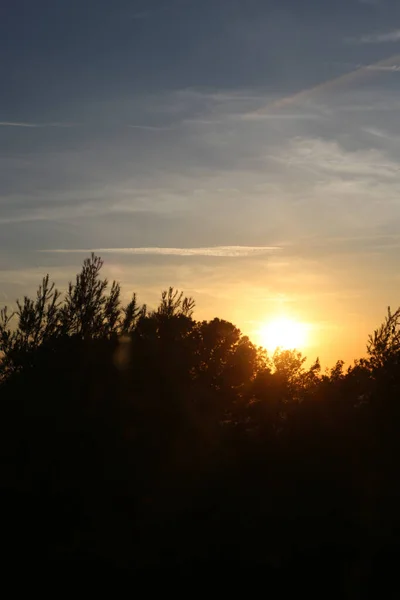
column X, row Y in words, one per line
column 244, row 151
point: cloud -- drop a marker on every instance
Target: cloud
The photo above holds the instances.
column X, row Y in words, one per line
column 318, row 155
column 15, row 124
column 391, row 68
column 383, row 135
column 217, row 251
column 279, row 115
column 259, row 181
column 33, row 125
column 148, row 127
column 371, row 67
column 328, row 86
column 378, row 38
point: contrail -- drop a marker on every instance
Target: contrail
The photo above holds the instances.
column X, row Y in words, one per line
column 356, row 74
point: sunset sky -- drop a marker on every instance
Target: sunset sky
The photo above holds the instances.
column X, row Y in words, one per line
column 244, row 151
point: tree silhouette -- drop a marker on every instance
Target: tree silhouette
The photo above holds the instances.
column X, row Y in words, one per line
column 146, row 439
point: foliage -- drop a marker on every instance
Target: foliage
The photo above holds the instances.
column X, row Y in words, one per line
column 86, row 312
column 144, row 437
column 384, row 344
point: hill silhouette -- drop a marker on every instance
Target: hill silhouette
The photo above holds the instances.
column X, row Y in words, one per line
column 142, row 441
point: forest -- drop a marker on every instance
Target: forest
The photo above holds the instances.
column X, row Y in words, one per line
column 144, row 440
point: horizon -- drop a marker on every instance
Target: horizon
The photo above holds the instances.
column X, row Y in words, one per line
column 247, row 153
column 278, row 331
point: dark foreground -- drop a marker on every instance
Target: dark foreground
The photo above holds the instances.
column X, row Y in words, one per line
column 149, row 445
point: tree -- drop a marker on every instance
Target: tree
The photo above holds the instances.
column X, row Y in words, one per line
column 87, row 312
column 384, row 344
column 37, row 321
column 173, row 304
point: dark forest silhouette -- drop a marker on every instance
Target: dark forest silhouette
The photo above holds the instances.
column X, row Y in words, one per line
column 144, row 440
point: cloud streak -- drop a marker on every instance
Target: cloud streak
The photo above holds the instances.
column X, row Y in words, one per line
column 277, row 116
column 213, row 251
column 352, row 77
column 148, row 127
column 32, row 125
column 373, row 67
column 379, row 38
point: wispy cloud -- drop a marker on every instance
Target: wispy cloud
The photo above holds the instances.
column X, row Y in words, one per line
column 379, row 133
column 319, row 156
column 278, row 116
column 357, row 74
column 380, row 68
column 372, row 67
column 378, row 38
column 33, row 125
column 217, row 251
column 149, row 127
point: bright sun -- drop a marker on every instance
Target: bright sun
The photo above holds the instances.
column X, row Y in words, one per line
column 283, row 333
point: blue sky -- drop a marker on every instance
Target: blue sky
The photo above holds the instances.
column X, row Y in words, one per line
column 190, row 124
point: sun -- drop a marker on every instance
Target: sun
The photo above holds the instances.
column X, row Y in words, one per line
column 283, row 333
